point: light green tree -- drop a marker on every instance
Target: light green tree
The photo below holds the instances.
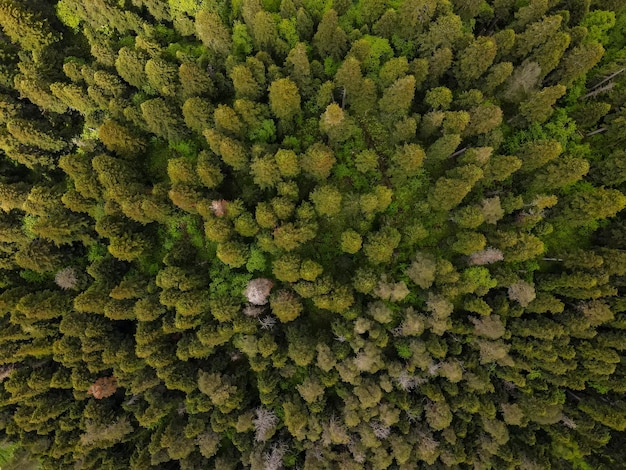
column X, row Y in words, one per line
column 284, row 98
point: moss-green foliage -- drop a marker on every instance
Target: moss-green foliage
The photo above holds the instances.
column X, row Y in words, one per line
column 264, row 234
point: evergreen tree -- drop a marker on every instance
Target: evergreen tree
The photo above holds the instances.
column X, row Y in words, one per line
column 28, row 133
column 536, row 154
column 284, row 99
column 600, row 203
column 397, row 99
column 323, row 235
column 212, row 32
column 330, row 40
column 130, row 65
column 194, row 80
column 538, row 108
column 120, row 139
column 245, row 83
column 162, row 76
column 300, row 65
column 476, row 59
column 25, row 27
column 162, row 119
column 578, row 62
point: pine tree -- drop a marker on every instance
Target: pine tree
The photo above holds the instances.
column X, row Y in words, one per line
column 578, row 61
column 318, row 161
column 28, row 133
column 522, row 292
column 128, row 247
column 349, row 77
column 439, row 98
column 522, row 82
column 33, row 82
column 327, row 200
column 476, row 59
column 40, row 256
column 562, row 173
column 13, row 196
column 26, row 27
column 469, row 242
column 287, row 268
column 265, row 172
column 500, row 167
column 284, row 99
column 245, row 83
column 408, row 160
column 120, row 139
column 74, row 97
column 130, row 65
column 194, row 80
column 300, row 67
column 536, row 154
column 162, row 76
column 212, row 32
column 448, row 193
column 330, row 40
column 538, row 108
column 227, row 121
column 445, row 32
column 264, row 31
column 380, row 245
column 438, row 64
column 610, row 170
column 536, row 34
column 198, row 114
column 286, row 306
column 549, row 54
column 63, row 228
column 335, row 124
column 231, row 151
column 604, row 413
column 397, row 99
column 584, row 207
column 351, row 241
column 162, row 119
column 483, row 118
column 531, row 12
column 498, row 74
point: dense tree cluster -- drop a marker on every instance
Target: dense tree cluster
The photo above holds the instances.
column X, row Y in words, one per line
column 300, row 234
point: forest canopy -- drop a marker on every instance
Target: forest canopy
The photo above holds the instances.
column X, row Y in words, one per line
column 313, row 234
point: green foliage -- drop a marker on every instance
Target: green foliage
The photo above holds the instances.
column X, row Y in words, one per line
column 350, row 241
column 284, row 99
column 269, row 233
column 469, row 242
column 408, row 160
column 287, row 268
column 233, row 254
column 130, row 65
column 397, row 98
column 330, row 40
column 476, row 59
column 26, row 27
column 327, row 200
column 448, row 193
column 318, row 161
column 438, row 98
column 285, row 306
column 265, row 171
column 380, row 245
column 162, row 119
column 212, row 31
column 120, row 139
